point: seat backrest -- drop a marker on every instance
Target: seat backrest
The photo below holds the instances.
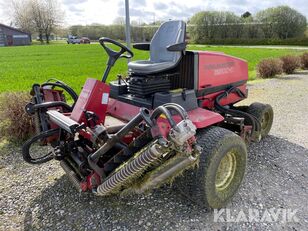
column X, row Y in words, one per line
column 169, row 33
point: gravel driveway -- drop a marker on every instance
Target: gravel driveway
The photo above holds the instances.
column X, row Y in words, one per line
column 41, row 198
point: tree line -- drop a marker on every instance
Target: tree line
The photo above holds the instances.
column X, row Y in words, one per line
column 138, row 33
column 44, row 17
column 280, row 22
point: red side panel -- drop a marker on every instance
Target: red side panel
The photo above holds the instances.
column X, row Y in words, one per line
column 217, row 72
column 93, row 97
column 121, row 110
column 217, row 69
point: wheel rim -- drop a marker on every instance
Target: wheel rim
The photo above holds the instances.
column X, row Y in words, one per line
column 265, row 120
column 225, row 171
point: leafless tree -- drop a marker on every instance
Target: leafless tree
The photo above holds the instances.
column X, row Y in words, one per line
column 20, row 13
column 37, row 17
column 119, row 21
column 53, row 16
column 41, row 16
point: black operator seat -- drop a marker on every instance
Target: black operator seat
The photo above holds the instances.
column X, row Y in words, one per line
column 166, row 48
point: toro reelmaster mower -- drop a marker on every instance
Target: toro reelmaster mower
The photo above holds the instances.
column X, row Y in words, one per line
column 172, row 119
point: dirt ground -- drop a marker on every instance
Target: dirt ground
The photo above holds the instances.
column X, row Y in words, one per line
column 41, row 197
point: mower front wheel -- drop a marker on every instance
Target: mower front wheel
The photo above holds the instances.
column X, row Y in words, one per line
column 221, row 168
column 265, row 114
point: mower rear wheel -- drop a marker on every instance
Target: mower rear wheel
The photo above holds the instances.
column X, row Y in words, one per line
column 264, row 113
column 221, row 168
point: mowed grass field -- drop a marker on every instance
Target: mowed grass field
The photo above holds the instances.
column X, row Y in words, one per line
column 20, row 67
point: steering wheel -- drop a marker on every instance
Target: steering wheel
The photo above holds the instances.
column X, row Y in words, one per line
column 114, row 55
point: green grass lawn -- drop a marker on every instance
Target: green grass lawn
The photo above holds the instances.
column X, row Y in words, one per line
column 20, row 67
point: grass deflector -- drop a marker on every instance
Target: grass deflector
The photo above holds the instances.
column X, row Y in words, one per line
column 172, row 119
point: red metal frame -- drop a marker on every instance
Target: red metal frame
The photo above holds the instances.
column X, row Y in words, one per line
column 94, row 97
column 121, row 110
column 51, row 95
column 200, row 117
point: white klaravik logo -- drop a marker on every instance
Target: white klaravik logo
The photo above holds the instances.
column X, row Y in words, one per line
column 105, row 98
column 271, row 215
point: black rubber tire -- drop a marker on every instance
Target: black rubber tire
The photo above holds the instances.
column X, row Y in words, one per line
column 265, row 114
column 199, row 185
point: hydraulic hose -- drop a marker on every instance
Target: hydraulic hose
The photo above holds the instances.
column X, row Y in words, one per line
column 27, row 145
column 68, row 89
column 255, row 123
column 162, row 110
column 46, row 105
column 179, row 109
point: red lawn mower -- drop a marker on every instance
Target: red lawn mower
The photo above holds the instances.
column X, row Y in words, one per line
column 173, row 119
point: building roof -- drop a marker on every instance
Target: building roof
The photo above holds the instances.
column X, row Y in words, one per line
column 12, row 28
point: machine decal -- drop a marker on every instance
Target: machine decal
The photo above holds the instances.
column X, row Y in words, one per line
column 220, row 68
column 105, row 98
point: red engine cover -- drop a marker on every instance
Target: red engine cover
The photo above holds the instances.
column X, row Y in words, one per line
column 94, row 97
column 218, row 69
column 217, row 72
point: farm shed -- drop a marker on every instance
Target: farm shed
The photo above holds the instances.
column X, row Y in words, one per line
column 10, row 36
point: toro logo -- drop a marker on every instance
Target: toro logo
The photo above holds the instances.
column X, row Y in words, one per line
column 220, row 68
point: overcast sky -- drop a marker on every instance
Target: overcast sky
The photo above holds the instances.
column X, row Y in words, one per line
column 105, row 11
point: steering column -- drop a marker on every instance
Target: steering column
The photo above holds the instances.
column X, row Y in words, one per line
column 114, row 55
